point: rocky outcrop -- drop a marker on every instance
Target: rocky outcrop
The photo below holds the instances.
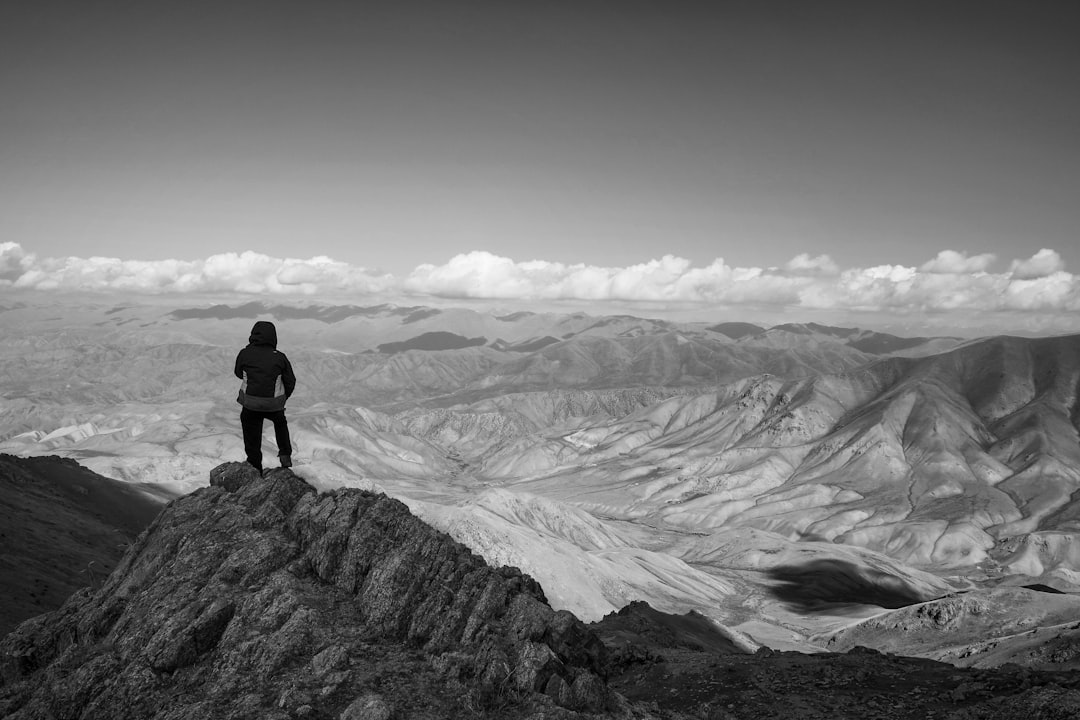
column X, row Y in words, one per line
column 261, row 598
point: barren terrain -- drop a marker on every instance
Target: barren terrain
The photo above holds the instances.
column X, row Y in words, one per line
column 802, row 487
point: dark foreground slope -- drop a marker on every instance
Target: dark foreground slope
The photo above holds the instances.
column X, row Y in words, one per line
column 62, row 527
column 260, row 598
column 672, row 668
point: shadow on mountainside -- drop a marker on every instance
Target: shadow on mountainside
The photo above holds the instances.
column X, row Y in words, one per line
column 822, row 585
column 62, row 527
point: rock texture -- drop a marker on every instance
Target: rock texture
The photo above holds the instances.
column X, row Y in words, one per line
column 676, row 668
column 260, row 598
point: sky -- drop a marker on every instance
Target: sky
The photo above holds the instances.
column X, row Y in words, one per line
column 912, row 163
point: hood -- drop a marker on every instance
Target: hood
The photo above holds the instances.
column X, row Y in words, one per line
column 263, row 333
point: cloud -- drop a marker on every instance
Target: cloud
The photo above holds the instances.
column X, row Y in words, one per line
column 668, row 279
column 1040, row 265
column 14, row 262
column 952, row 262
column 805, row 265
column 951, row 282
column 247, row 272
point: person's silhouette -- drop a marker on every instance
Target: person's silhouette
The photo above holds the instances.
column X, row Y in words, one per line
column 268, row 381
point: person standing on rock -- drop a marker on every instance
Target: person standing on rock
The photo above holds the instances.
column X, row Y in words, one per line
column 268, row 381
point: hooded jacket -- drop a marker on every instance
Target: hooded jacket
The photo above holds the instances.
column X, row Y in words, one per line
column 267, row 375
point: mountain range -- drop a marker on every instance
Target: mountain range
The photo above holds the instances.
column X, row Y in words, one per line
column 803, row 487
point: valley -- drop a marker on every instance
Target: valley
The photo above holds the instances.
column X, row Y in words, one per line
column 803, row 487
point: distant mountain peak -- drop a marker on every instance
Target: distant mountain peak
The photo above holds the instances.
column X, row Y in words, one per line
column 813, row 328
column 736, row 330
column 328, row 314
column 432, row 341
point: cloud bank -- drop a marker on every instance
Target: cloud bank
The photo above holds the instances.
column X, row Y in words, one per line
column 247, row 272
column 952, row 281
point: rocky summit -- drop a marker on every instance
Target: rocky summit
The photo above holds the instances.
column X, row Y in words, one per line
column 261, row 598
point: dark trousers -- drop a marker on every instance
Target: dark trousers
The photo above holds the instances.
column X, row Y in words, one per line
column 252, row 423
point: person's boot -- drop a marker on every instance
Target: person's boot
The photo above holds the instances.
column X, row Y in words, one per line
column 286, row 461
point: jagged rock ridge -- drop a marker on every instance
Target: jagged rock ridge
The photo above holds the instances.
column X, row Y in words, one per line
column 262, row 598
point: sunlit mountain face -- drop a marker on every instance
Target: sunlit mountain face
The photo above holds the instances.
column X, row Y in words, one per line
column 803, row 486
